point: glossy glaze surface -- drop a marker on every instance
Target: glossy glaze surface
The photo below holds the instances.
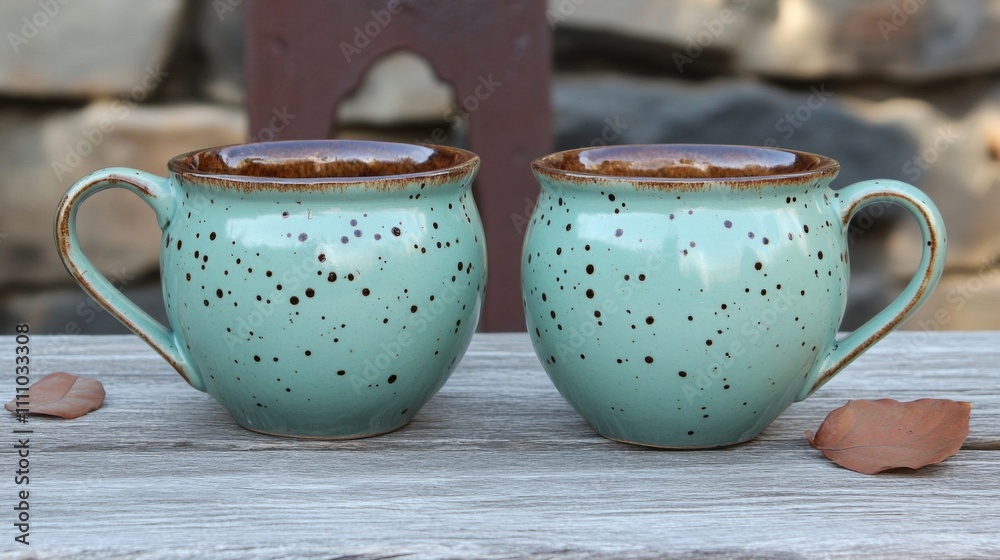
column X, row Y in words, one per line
column 674, row 310
column 334, row 307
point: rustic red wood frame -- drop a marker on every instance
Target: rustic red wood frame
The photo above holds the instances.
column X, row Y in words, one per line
column 303, row 58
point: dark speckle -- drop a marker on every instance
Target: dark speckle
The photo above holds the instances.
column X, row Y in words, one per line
column 396, row 231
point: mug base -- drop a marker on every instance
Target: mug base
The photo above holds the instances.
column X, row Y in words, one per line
column 337, row 437
column 679, row 447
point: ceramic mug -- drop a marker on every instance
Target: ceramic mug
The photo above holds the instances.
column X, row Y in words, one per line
column 318, row 288
column 683, row 296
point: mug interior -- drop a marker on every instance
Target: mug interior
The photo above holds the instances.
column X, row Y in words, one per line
column 329, row 160
column 687, row 162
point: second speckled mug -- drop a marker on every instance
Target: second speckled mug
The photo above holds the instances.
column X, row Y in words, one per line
column 318, row 289
column 684, row 296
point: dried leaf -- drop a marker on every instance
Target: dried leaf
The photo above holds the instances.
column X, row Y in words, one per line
column 873, row 436
column 60, row 394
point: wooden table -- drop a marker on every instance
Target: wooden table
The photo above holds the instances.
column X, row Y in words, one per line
column 497, row 465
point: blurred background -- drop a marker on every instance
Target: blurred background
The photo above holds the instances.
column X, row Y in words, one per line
column 905, row 89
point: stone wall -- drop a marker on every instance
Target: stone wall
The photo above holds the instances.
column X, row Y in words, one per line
column 904, row 89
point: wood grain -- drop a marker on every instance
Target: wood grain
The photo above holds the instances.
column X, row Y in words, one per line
column 497, row 465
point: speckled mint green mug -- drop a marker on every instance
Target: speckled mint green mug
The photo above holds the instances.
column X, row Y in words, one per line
column 317, row 289
column 683, row 296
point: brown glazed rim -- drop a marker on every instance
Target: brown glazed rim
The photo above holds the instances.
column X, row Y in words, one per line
column 686, row 166
column 308, row 165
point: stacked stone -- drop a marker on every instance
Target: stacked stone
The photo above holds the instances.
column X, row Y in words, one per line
column 899, row 89
column 86, row 85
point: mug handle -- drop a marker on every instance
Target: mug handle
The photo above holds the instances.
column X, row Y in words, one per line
column 850, row 200
column 160, row 194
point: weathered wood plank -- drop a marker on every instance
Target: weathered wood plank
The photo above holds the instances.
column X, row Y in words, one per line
column 496, row 466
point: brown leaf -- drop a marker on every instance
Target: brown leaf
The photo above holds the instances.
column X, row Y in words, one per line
column 873, row 436
column 60, row 394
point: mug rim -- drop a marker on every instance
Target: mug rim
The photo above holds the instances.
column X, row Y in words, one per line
column 553, row 165
column 442, row 164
